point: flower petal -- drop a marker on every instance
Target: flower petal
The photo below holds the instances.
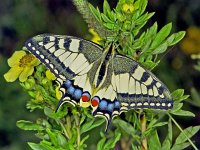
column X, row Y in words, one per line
column 25, row 73
column 15, row 58
column 13, row 74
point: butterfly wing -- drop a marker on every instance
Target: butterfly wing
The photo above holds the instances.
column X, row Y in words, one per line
column 69, row 59
column 117, row 83
column 134, row 88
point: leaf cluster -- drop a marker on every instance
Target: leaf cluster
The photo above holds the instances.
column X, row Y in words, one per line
column 123, row 26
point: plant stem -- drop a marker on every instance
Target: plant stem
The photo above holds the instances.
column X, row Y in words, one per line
column 77, row 120
column 189, row 140
column 65, row 131
column 143, row 129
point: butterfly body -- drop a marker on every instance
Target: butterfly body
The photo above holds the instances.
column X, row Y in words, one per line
column 89, row 75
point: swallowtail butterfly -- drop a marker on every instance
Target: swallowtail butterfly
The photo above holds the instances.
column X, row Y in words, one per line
column 111, row 83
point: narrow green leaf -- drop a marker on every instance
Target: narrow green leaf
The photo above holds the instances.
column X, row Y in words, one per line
column 188, row 132
column 177, row 37
column 53, row 137
column 101, row 143
column 91, row 124
column 106, row 8
column 168, row 140
column 170, row 135
column 106, row 19
column 52, row 114
column 143, row 18
column 184, row 97
column 28, row 125
column 177, row 94
column 143, row 5
column 135, row 147
column 160, row 49
column 110, row 144
column 43, row 145
column 129, row 129
column 153, row 141
column 36, row 146
column 180, row 146
column 84, row 139
column 95, row 12
column 161, row 36
column 154, row 123
column 159, row 124
column 62, row 141
column 166, row 144
column 181, row 112
column 153, row 30
column 177, row 106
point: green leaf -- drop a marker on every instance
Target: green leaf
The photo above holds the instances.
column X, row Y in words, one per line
column 28, row 125
column 95, row 12
column 106, row 8
column 152, row 30
column 125, row 126
column 61, row 140
column 168, row 140
column 175, row 38
column 84, row 139
column 153, row 141
column 52, row 114
column 166, row 144
column 181, row 112
column 101, row 143
column 177, row 94
column 36, row 146
column 135, row 147
column 106, row 19
column 161, row 36
column 142, row 5
column 53, row 137
column 177, row 106
column 91, row 124
column 180, row 146
column 160, row 49
column 43, row 145
column 186, row 134
column 110, row 144
column 154, row 124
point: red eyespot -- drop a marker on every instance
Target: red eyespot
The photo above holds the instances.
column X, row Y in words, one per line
column 95, row 101
column 85, row 97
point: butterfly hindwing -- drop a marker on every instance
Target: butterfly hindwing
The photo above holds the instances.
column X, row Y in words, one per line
column 134, row 88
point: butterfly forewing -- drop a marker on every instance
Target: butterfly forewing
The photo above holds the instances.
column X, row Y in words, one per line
column 68, row 58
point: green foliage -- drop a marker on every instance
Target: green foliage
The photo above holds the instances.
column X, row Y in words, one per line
column 70, row 127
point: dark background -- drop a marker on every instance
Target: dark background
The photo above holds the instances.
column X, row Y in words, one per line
column 22, row 19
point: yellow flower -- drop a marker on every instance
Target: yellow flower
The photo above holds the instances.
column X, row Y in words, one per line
column 191, row 43
column 22, row 65
column 50, row 75
column 95, row 37
column 128, row 8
